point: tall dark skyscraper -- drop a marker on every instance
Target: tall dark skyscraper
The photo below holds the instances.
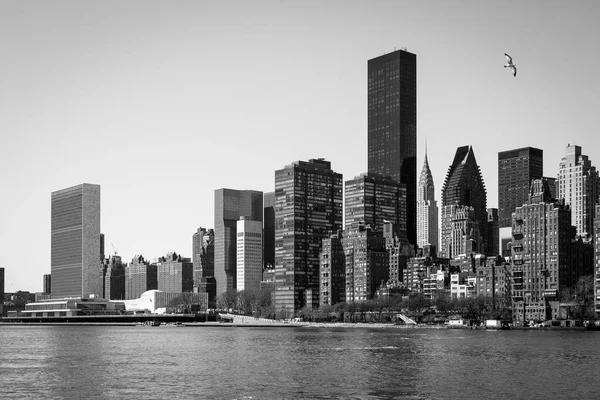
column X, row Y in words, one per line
column 47, row 284
column 516, row 170
column 392, row 125
column 308, row 209
column 75, row 242
column 1, row 287
column 230, row 205
column 463, row 187
column 269, row 230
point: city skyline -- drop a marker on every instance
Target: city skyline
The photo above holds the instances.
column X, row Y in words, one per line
column 142, row 112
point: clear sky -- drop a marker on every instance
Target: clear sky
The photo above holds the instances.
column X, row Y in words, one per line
column 162, row 102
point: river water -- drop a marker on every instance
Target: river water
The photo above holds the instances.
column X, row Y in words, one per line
column 168, row 362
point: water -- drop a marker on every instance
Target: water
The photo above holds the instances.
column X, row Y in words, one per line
column 107, row 362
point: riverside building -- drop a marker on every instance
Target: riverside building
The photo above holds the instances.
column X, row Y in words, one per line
column 249, row 254
column 308, row 209
column 75, row 242
column 175, row 273
column 392, row 125
column 140, row 277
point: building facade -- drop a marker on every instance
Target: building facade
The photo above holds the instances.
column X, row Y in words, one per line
column 333, row 271
column 47, row 284
column 75, row 242
column 463, row 186
column 493, row 233
column 203, row 254
column 230, row 205
column 392, row 125
column 140, row 276
column 372, row 199
column 175, row 274
column 269, row 230
column 249, row 254
column 427, row 209
column 308, row 209
column 597, row 259
column 578, row 186
column 541, row 255
column 113, row 277
column 1, row 287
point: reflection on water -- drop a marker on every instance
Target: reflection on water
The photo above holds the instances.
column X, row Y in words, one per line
column 294, row 363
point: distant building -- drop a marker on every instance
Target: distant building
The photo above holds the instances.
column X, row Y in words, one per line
column 208, row 285
column 423, row 275
column 75, row 242
column 230, row 205
column 372, row 199
column 203, row 254
column 493, row 233
column 465, row 232
column 552, row 187
column 47, row 284
column 392, row 125
column 269, row 230
column 249, row 254
column 140, row 276
column 578, row 186
column 399, row 251
column 175, row 274
column 1, row 286
column 427, row 209
column 463, row 187
column 516, row 170
column 113, row 273
column 308, row 209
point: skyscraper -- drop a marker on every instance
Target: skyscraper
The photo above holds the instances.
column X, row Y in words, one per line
column 203, row 254
column 269, row 230
column 597, row 259
column 175, row 274
column 392, row 124
column 75, row 242
column 249, row 254
column 493, row 239
column 230, row 205
column 427, row 210
column 464, row 187
column 516, row 170
column 308, row 209
column 578, row 186
column 372, row 199
column 140, row 276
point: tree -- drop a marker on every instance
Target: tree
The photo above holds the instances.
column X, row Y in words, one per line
column 583, row 298
column 228, row 300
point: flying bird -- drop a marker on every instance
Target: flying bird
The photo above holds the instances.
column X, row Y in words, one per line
column 510, row 64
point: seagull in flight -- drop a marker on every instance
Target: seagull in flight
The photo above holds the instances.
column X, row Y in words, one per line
column 510, row 64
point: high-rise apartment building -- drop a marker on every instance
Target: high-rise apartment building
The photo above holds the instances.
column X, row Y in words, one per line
column 465, row 234
column 47, row 284
column 269, row 230
column 578, row 186
column 203, row 254
column 308, row 209
column 140, row 276
column 175, row 274
column 249, row 254
column 113, row 273
column 463, row 187
column 392, row 125
column 75, row 242
column 230, row 205
column 427, row 209
column 372, row 199
column 541, row 255
column 333, row 271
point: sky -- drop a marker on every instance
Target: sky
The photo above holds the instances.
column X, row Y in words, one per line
column 162, row 102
